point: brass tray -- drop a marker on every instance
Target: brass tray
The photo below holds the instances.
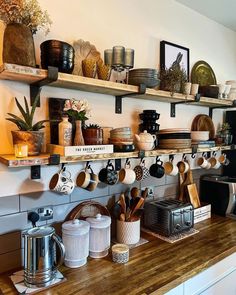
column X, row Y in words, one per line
column 203, row 74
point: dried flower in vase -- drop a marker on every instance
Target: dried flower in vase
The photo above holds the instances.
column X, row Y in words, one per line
column 26, row 12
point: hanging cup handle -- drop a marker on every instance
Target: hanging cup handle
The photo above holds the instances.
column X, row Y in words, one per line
column 58, row 241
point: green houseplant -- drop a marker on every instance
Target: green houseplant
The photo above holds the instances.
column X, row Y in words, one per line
column 29, row 133
column 93, row 134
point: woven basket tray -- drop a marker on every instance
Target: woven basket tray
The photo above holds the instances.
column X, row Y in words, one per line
column 87, row 209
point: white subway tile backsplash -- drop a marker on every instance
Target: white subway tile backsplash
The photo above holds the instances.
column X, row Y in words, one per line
column 80, row 194
column 165, row 191
column 40, row 199
column 60, row 212
column 13, row 222
column 172, row 179
column 120, row 187
column 9, row 205
column 152, row 181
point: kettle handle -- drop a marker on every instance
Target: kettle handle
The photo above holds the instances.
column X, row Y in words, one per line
column 58, row 240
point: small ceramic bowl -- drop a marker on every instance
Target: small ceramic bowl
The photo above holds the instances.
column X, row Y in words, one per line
column 199, row 135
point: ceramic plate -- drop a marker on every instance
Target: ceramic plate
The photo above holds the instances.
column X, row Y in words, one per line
column 203, row 74
column 174, row 130
column 83, row 49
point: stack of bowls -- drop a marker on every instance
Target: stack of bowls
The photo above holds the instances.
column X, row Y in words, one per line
column 232, row 92
column 57, row 54
column 174, row 138
column 149, row 118
column 149, row 77
column 122, row 139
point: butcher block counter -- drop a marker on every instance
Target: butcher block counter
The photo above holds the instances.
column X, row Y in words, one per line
column 155, row 267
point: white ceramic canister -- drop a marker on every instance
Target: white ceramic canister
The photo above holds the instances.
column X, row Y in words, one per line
column 128, row 232
column 75, row 236
column 99, row 235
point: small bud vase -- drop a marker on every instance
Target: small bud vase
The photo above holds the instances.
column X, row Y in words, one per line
column 78, row 139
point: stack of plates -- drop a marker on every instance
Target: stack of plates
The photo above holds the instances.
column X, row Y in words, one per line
column 149, row 77
column 122, row 139
column 174, row 138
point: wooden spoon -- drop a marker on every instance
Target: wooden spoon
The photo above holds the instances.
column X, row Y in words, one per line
column 138, row 205
column 122, row 203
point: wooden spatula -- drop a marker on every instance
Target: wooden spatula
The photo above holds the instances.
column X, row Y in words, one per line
column 193, row 195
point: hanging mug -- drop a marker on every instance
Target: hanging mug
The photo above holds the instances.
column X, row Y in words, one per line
column 87, row 179
column 108, row 175
column 62, row 182
column 126, row 174
column 141, row 171
column 157, row 170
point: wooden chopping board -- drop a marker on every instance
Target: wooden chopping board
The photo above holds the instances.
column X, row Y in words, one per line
column 203, row 123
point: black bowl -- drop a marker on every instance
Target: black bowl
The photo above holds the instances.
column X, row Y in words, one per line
column 149, row 116
column 124, row 148
column 55, row 44
column 151, row 128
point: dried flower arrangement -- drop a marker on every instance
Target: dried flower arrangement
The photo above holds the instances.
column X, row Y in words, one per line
column 173, row 79
column 77, row 109
column 26, row 12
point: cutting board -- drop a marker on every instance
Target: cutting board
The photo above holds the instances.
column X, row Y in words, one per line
column 193, row 195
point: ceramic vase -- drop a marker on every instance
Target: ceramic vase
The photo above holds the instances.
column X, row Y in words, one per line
column 18, row 45
column 78, row 139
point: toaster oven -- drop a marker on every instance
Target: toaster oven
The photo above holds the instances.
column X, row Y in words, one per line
column 168, row 216
column 220, row 192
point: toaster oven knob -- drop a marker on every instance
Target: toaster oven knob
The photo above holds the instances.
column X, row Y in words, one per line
column 188, row 223
column 178, row 226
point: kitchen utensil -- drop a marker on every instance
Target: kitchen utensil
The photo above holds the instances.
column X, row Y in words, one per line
column 203, row 74
column 193, row 195
column 122, row 203
column 75, row 236
column 99, row 235
column 116, row 210
column 137, row 205
column 40, row 264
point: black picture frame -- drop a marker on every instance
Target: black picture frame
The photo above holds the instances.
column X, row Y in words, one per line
column 168, row 54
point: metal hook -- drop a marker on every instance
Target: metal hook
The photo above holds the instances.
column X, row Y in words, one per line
column 204, row 154
column 193, row 156
column 63, row 167
column 171, row 158
column 127, row 162
column 184, row 157
column 214, row 153
column 158, row 159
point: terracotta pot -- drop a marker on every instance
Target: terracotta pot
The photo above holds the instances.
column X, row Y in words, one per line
column 18, row 45
column 93, row 136
column 34, row 140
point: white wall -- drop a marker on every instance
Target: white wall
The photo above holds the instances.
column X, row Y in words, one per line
column 136, row 24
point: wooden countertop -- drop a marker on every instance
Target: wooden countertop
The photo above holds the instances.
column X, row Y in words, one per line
column 155, row 267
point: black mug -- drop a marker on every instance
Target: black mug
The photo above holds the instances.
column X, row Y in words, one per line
column 108, row 175
column 157, row 170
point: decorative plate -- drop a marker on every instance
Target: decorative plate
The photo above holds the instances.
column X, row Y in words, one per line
column 203, row 74
column 204, row 123
column 83, row 49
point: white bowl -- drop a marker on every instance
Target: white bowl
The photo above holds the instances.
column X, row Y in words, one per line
column 199, row 135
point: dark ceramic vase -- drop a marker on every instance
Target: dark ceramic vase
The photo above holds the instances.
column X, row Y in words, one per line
column 93, row 136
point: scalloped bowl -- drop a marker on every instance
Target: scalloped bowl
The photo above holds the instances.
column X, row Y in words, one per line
column 199, row 135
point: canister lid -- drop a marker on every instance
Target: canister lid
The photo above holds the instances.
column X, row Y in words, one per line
column 100, row 221
column 40, row 231
column 76, row 227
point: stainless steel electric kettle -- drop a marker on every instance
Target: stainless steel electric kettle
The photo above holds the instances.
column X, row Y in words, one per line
column 40, row 265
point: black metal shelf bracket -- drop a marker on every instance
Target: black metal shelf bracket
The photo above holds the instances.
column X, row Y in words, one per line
column 173, row 104
column 221, row 107
column 35, row 87
column 118, row 105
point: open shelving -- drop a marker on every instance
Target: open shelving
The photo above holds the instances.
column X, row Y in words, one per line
column 29, row 75
column 44, row 159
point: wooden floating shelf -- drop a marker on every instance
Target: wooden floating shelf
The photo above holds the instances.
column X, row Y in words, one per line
column 43, row 159
column 31, row 75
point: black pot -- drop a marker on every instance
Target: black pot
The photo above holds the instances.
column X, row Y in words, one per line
column 151, row 128
column 149, row 116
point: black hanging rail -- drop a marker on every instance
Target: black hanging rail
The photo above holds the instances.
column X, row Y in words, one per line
column 34, row 87
column 118, row 106
column 173, row 104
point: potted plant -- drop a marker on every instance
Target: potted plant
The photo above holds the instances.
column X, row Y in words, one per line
column 93, row 134
column 173, row 79
column 22, row 18
column 29, row 133
column 225, row 133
